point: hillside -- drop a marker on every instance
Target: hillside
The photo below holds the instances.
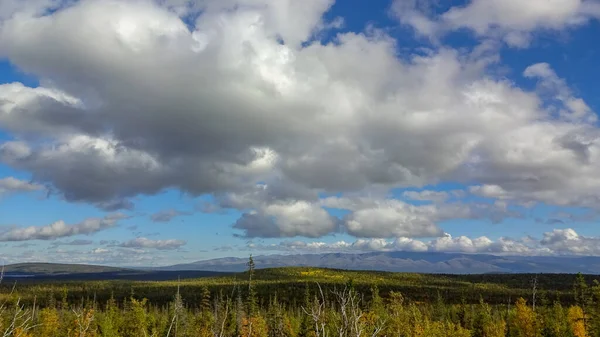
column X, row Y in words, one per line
column 407, row 262
column 57, row 268
column 443, row 263
column 289, row 284
column 41, row 272
column 296, row 293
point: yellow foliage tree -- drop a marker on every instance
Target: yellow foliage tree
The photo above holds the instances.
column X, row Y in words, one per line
column 205, row 324
column 82, row 326
column 255, row 326
column 496, row 328
column 21, row 332
column 445, row 329
column 577, row 321
column 49, row 322
column 486, row 325
column 399, row 319
column 524, row 322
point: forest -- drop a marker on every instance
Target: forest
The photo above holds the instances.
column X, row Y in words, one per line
column 302, row 302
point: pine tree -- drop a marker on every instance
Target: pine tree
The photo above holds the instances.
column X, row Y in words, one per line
column 205, row 302
column 439, row 308
column 594, row 312
column 277, row 320
column 252, row 300
column 556, row 323
column 110, row 321
column 581, row 291
column 305, row 323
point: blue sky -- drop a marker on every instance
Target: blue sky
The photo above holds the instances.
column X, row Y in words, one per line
column 152, row 133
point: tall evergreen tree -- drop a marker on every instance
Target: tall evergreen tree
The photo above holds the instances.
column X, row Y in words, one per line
column 305, row 323
column 252, row 304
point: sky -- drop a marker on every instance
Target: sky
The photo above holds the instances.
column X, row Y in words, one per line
column 156, row 132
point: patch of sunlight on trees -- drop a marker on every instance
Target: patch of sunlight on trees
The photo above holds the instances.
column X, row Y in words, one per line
column 326, row 303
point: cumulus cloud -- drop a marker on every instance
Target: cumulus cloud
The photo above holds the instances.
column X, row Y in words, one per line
column 78, row 242
column 446, row 244
column 360, row 245
column 509, row 20
column 153, row 244
column 277, row 214
column 112, row 256
column 279, row 209
column 116, row 205
column 479, row 245
column 427, row 195
column 167, row 215
column 288, row 219
column 385, row 218
column 393, row 219
column 11, row 185
column 135, row 100
column 57, row 230
column 556, row 242
column 8, row 8
column 568, row 241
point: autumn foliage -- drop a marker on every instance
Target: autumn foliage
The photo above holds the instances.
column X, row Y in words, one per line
column 326, row 310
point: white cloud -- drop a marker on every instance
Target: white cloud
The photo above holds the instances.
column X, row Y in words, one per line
column 446, row 244
column 9, row 8
column 11, row 185
column 567, row 241
column 167, row 215
column 116, row 204
column 275, row 211
column 556, row 242
column 511, row 20
column 482, row 244
column 287, row 219
column 79, row 242
column 360, row 245
column 57, row 230
column 133, row 101
column 100, row 251
column 385, row 218
column 40, row 111
column 394, row 219
column 573, row 108
column 279, row 209
column 170, row 244
column 426, row 195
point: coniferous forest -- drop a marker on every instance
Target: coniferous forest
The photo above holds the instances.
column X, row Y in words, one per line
column 302, row 302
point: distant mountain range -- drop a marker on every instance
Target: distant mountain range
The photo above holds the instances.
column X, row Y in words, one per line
column 57, row 268
column 442, row 263
column 81, row 272
column 446, row 263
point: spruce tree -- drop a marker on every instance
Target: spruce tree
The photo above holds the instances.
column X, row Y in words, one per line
column 252, row 302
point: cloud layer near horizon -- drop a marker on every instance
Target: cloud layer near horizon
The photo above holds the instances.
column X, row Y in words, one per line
column 59, row 229
column 557, row 242
column 246, row 103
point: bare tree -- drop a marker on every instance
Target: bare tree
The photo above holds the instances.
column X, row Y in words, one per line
column 22, row 318
column 351, row 324
column 534, row 283
column 84, row 319
column 378, row 328
column 317, row 313
column 177, row 309
column 221, row 313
